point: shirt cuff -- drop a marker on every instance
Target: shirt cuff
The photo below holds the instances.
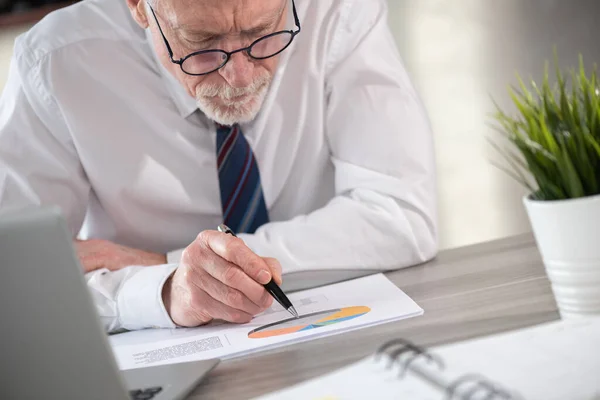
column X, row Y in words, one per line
column 174, row 257
column 140, row 302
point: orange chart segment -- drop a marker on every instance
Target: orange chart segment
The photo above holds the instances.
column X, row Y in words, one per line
column 308, row 322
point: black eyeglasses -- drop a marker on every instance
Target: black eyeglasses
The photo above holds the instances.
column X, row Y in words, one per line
column 205, row 62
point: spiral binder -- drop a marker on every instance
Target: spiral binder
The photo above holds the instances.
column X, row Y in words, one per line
column 468, row 387
column 530, row 363
column 407, row 347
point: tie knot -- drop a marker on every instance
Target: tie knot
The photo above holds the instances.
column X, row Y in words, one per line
column 229, row 127
column 226, row 131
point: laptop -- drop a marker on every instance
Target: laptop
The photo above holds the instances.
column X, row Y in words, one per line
column 53, row 344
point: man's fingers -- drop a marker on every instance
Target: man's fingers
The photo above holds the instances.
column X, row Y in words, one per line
column 235, row 251
column 87, row 256
column 97, row 253
column 275, row 268
column 217, row 310
column 225, row 294
column 230, row 275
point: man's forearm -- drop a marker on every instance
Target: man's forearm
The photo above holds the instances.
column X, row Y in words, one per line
column 363, row 230
column 98, row 254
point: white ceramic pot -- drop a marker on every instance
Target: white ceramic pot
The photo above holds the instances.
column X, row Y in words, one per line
column 567, row 233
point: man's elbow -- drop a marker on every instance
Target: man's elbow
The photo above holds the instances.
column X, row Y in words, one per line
column 427, row 246
column 420, row 239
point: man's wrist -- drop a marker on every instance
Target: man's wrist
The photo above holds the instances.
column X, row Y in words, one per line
column 166, row 294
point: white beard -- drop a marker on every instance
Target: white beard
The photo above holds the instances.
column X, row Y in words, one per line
column 228, row 111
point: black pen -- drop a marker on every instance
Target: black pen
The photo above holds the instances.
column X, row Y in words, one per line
column 273, row 289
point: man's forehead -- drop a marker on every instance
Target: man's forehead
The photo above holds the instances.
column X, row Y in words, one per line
column 214, row 15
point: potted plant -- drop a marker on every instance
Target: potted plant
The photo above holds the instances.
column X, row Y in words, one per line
column 555, row 152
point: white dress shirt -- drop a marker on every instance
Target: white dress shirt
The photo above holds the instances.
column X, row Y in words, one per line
column 90, row 121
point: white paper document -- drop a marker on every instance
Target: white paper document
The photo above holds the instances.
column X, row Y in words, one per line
column 324, row 311
column 554, row 361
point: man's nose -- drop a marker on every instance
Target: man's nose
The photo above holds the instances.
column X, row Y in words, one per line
column 238, row 71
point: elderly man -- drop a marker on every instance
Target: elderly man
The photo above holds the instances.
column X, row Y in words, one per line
column 150, row 123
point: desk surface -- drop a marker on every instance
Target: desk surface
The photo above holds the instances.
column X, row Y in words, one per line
column 466, row 292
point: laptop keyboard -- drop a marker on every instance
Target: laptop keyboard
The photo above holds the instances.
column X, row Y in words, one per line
column 144, row 394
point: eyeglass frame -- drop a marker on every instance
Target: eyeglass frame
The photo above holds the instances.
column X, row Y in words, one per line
column 229, row 53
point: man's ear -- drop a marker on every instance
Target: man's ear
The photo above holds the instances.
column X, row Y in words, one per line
column 138, row 12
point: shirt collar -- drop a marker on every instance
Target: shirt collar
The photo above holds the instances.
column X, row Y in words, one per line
column 183, row 101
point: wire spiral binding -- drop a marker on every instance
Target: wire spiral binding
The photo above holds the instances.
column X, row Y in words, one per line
column 406, row 347
column 481, row 387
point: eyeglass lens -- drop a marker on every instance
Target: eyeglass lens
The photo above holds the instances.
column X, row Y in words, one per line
column 212, row 60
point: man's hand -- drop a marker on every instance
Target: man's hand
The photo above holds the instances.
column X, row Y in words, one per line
column 219, row 277
column 97, row 254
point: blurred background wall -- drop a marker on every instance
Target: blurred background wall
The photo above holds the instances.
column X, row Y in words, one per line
column 460, row 53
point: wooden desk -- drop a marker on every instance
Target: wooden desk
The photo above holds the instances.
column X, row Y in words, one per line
column 466, row 292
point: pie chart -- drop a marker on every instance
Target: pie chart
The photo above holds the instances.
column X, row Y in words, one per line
column 306, row 322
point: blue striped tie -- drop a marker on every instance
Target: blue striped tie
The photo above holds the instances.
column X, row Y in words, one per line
column 242, row 199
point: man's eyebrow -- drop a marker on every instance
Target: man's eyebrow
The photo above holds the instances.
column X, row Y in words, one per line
column 261, row 27
column 207, row 34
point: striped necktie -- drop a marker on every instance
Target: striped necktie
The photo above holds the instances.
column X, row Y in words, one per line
column 242, row 200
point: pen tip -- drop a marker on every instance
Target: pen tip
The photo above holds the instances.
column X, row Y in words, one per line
column 293, row 311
